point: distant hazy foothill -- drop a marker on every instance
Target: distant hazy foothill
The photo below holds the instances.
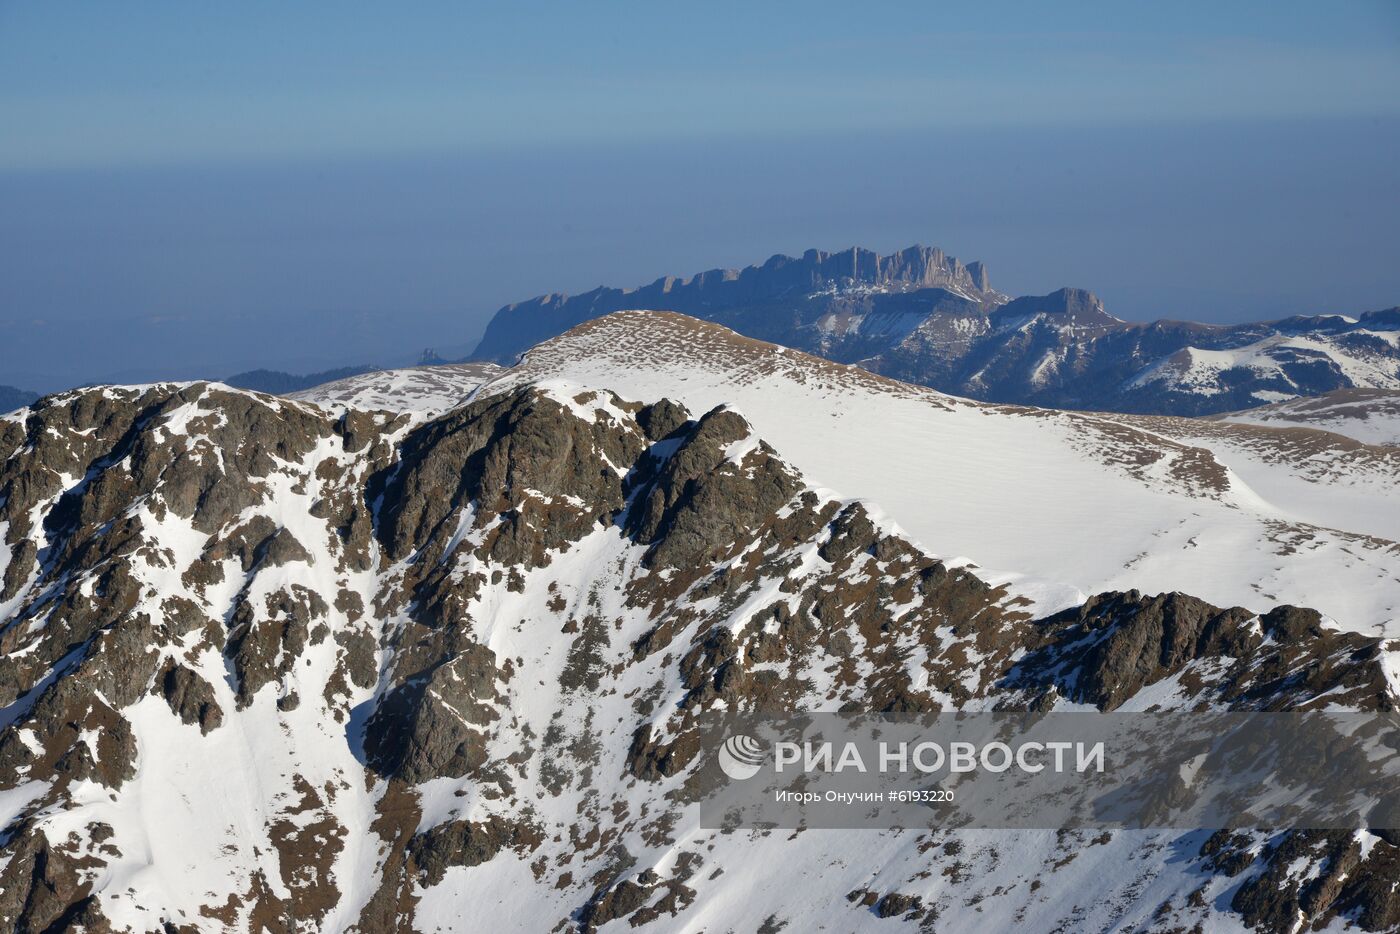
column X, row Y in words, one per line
column 922, row 316
column 12, row 398
column 279, row 383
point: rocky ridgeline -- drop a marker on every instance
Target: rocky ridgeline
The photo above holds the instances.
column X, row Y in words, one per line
column 460, row 662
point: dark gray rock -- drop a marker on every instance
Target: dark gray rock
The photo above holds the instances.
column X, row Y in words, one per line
column 469, row 843
column 190, row 697
column 699, row 504
column 1115, row 644
column 435, row 724
column 495, row 454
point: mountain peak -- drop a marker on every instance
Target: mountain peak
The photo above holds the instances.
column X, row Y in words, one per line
column 1067, row 306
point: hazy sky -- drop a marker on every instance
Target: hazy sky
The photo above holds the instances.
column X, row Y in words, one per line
column 193, row 189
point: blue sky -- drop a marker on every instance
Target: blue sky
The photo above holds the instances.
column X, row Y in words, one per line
column 375, row 178
column 157, row 82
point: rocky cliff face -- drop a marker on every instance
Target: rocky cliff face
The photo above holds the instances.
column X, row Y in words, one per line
column 925, row 318
column 787, row 299
column 269, row 666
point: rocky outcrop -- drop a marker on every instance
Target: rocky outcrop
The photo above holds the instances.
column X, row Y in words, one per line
column 190, row 697
column 44, row 887
column 701, row 502
column 1345, row 881
column 468, row 843
column 1115, row 645
column 435, row 725
column 534, row 476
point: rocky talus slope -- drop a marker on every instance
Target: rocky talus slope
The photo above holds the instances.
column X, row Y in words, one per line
column 273, row 666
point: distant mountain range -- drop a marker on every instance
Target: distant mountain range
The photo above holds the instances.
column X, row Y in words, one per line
column 799, row 301
column 922, row 316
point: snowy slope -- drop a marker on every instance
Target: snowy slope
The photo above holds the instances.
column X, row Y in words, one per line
column 1371, row 416
column 1045, row 498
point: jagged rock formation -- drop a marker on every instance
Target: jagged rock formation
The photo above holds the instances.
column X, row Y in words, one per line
column 273, row 666
column 788, row 300
column 923, row 317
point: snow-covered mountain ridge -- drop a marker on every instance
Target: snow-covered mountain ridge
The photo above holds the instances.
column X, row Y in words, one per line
column 273, row 664
column 1239, row 515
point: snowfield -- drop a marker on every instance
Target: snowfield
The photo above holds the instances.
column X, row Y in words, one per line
column 1371, row 416
column 423, row 390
